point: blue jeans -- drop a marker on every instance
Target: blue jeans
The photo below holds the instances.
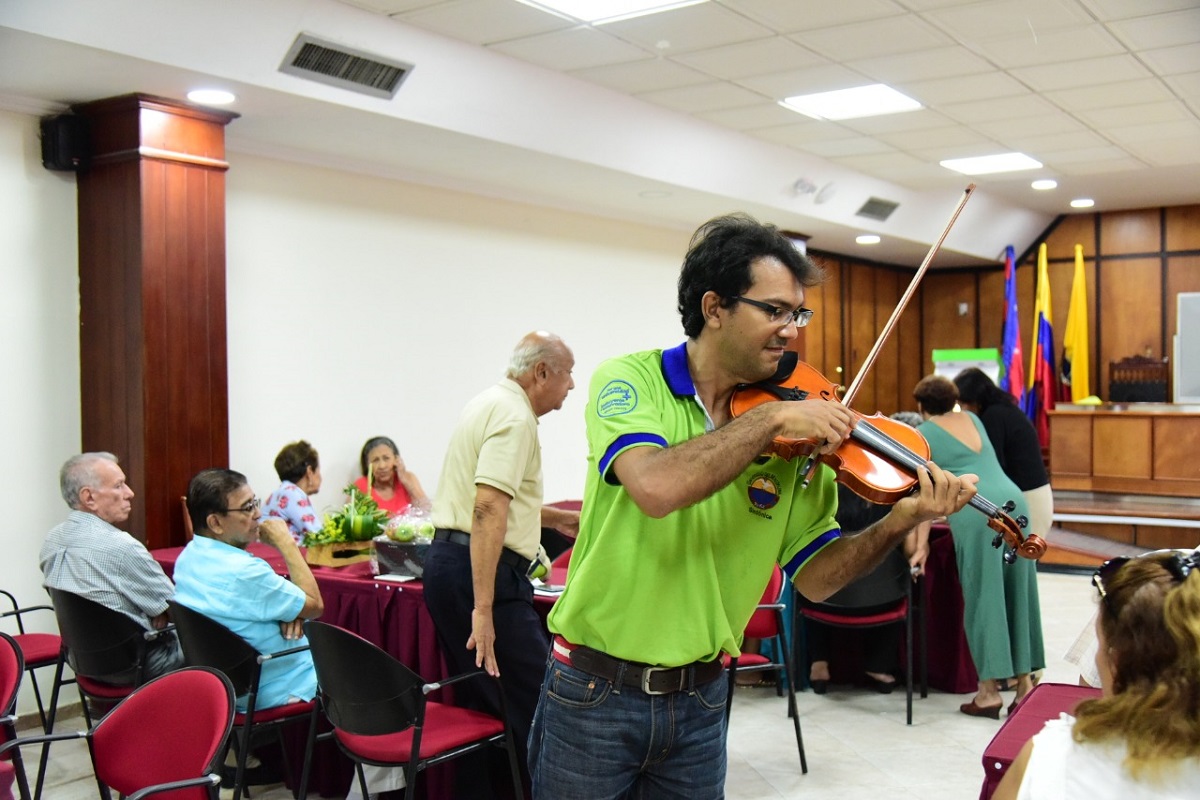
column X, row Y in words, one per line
column 594, row 739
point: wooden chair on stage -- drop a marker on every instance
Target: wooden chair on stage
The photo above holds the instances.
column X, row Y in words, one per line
column 1138, row 379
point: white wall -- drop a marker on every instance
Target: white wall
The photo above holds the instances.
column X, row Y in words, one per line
column 39, row 331
column 361, row 306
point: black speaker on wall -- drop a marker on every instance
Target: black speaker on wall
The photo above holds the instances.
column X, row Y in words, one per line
column 66, row 144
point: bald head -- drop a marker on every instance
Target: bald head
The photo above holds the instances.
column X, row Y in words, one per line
column 542, row 364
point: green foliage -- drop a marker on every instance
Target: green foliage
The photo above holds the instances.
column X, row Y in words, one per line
column 360, row 520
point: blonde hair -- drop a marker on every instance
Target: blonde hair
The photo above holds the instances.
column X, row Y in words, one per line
column 1150, row 619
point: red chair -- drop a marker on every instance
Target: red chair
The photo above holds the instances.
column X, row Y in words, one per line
column 167, row 737
column 12, row 667
column 37, row 649
column 208, row 643
column 563, row 559
column 766, row 623
column 381, row 715
column 902, row 611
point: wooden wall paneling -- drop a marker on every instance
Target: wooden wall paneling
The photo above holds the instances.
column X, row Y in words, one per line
column 157, row 232
column 818, row 298
column 1116, row 533
column 1129, row 311
column 861, row 294
column 1182, row 275
column 1176, row 442
column 1157, row 537
column 942, row 326
column 834, row 331
column 1071, row 450
column 1126, row 232
column 991, row 308
column 1072, row 229
column 1122, row 446
column 1183, row 228
column 909, row 356
column 888, row 288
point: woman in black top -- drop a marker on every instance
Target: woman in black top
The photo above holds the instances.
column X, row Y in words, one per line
column 1014, row 440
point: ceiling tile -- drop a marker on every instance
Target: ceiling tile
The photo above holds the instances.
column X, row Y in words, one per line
column 996, row 18
column 683, row 30
column 803, row 133
column 1147, row 90
column 647, row 75
column 484, row 21
column 1172, row 60
column 822, row 78
column 941, row 62
column 789, row 15
column 1088, row 72
column 1120, row 116
column 1034, row 145
column 1160, row 30
column 1077, row 157
column 873, row 39
column 759, row 57
column 1188, row 85
column 933, row 155
column 1072, row 44
column 875, row 161
column 935, row 137
column 1000, row 108
column 1050, row 122
column 860, row 145
column 705, row 97
column 921, row 119
column 1168, row 152
column 1124, row 9
column 762, row 115
column 572, row 49
column 957, row 90
column 392, row 6
column 1102, row 167
column 1180, row 129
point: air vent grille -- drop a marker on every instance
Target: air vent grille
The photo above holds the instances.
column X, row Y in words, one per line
column 343, row 67
column 877, row 209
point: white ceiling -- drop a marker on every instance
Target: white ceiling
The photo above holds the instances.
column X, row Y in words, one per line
column 672, row 118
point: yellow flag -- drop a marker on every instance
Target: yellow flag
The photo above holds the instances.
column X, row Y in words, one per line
column 1041, row 318
column 1075, row 341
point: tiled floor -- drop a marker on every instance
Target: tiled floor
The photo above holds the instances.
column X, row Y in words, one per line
column 857, row 744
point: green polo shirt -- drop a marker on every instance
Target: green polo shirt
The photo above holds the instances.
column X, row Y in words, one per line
column 679, row 589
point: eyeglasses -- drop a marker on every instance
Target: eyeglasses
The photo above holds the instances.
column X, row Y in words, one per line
column 779, row 316
column 1180, row 565
column 252, row 505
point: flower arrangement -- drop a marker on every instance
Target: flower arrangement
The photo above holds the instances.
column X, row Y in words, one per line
column 360, row 520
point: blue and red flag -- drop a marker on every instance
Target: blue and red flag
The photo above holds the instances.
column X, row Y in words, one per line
column 1043, row 378
column 1013, row 379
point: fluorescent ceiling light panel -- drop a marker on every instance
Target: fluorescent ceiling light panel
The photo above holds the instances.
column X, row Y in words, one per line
column 986, row 165
column 601, row 11
column 862, row 101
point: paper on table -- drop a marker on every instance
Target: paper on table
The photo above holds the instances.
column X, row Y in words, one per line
column 395, row 578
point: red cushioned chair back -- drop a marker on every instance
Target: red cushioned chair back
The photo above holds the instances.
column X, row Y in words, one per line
column 173, row 728
column 12, row 666
column 208, row 643
column 101, row 643
column 764, row 623
column 365, row 690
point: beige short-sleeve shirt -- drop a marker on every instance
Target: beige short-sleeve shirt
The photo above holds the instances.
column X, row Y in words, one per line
column 495, row 443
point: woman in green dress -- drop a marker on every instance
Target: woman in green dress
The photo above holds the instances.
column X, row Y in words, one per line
column 1001, row 613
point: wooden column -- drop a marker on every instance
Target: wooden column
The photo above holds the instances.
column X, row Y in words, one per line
column 152, row 299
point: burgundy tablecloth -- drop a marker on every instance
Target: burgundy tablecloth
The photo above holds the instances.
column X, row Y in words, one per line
column 951, row 668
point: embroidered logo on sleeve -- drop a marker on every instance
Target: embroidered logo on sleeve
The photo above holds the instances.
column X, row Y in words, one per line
column 616, row 398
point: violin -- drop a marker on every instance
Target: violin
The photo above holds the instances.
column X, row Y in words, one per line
column 880, row 459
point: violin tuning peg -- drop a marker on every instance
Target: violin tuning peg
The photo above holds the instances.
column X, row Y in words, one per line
column 997, row 540
column 1022, row 521
column 1009, row 506
column 1010, row 556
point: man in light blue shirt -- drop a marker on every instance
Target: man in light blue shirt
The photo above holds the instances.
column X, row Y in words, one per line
column 215, row 576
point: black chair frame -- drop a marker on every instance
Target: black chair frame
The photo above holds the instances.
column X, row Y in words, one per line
column 16, row 613
column 208, row 643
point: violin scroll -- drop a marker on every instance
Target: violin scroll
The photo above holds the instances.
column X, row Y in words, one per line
column 1009, row 532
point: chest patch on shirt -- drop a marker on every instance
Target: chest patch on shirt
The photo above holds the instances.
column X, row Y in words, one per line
column 616, row 398
column 763, row 491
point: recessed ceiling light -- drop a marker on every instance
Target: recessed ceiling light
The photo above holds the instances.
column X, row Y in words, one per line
column 601, row 11
column 1045, row 184
column 867, row 238
column 861, row 101
column 211, row 97
column 986, row 165
column 1083, row 202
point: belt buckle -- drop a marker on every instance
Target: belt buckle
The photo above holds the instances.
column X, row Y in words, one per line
column 648, row 672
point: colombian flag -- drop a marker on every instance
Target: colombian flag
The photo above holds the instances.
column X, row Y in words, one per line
column 1013, row 380
column 1043, row 380
column 1075, row 370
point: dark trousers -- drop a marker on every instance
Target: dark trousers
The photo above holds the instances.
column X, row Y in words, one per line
column 521, row 646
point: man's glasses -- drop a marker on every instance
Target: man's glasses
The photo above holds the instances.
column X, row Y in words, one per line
column 779, row 316
column 1180, row 565
column 249, row 507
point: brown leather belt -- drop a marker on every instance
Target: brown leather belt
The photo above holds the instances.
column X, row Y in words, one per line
column 648, row 678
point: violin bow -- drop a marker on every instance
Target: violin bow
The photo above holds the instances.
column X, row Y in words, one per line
column 856, row 384
column 848, row 396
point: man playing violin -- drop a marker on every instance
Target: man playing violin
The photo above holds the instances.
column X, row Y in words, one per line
column 683, row 521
